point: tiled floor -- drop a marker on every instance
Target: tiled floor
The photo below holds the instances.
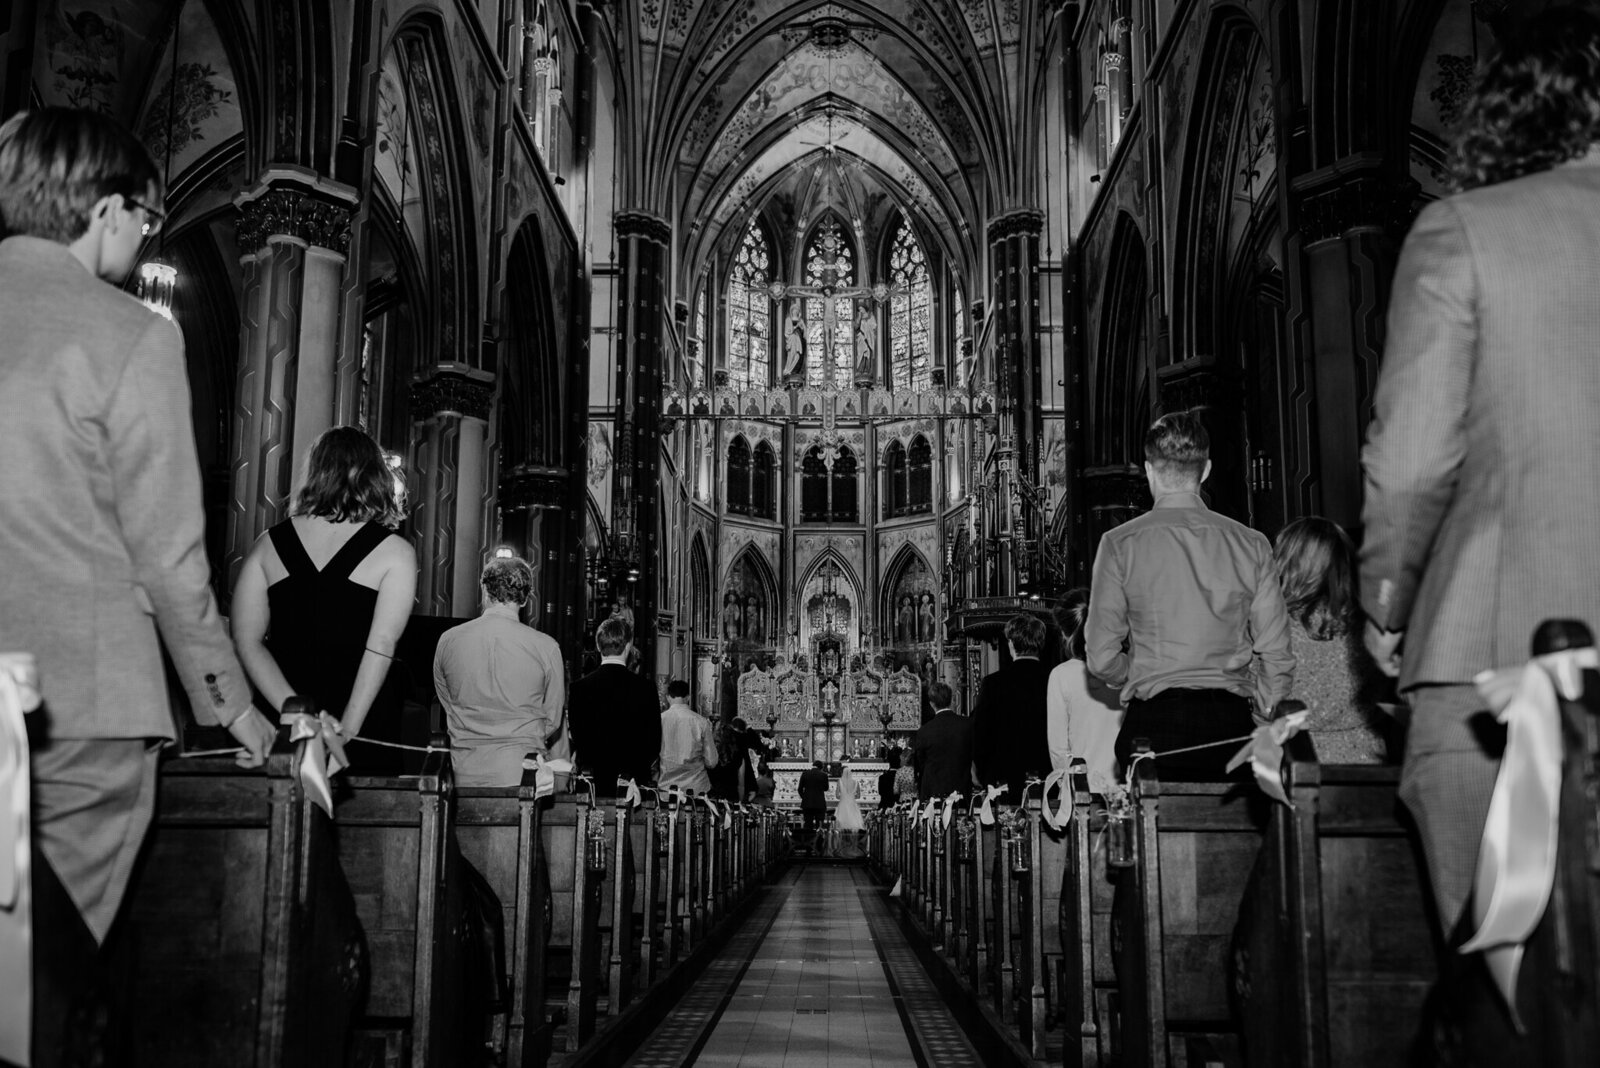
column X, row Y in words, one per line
column 831, row 983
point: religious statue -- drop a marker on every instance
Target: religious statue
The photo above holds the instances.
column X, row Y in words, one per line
column 754, row 627
column 621, row 609
column 866, row 345
column 732, row 617
column 794, row 342
column 830, row 698
column 906, row 630
column 926, row 623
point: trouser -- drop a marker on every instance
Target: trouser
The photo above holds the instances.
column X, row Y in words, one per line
column 1180, row 718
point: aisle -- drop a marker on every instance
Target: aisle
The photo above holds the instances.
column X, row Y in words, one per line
column 819, row 976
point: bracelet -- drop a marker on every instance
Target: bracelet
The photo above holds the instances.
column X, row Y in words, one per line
column 386, row 656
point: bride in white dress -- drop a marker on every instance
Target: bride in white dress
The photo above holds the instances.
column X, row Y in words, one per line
column 847, row 819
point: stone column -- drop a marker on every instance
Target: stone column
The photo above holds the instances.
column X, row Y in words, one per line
column 1014, row 286
column 450, row 407
column 1342, row 260
column 641, row 323
column 294, row 233
column 533, row 524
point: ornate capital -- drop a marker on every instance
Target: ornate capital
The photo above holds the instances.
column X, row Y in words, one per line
column 543, row 65
column 643, row 224
column 530, row 486
column 1021, row 222
column 1114, row 60
column 555, row 98
column 447, row 392
column 1370, row 201
column 1121, row 26
column 292, row 208
column 1101, row 91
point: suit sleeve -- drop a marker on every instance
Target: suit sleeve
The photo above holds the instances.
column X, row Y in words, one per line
column 1107, row 625
column 158, row 504
column 1417, row 439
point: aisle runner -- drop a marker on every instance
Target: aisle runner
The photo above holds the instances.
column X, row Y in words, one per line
column 820, row 975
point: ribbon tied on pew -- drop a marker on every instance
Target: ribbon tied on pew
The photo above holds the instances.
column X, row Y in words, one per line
column 630, row 792
column 1264, row 751
column 545, row 772
column 950, row 807
column 986, row 809
column 1517, row 858
column 1057, row 780
column 19, row 695
column 322, row 756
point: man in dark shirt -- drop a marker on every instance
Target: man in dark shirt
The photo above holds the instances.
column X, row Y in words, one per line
column 1009, row 738
column 814, row 800
column 943, row 749
column 615, row 715
column 1185, row 613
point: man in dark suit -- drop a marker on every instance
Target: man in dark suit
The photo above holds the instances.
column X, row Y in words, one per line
column 942, row 752
column 1009, row 737
column 615, row 715
column 814, row 800
column 1482, row 512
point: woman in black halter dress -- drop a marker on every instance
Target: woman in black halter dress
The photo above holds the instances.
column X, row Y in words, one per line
column 328, row 632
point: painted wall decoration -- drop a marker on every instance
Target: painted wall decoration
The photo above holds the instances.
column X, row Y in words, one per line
column 910, row 614
column 204, row 108
column 748, row 613
column 848, row 547
column 924, row 537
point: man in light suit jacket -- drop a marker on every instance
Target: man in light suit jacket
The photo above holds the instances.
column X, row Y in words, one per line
column 943, row 749
column 1010, row 739
column 1482, row 512
column 101, row 531
column 615, row 715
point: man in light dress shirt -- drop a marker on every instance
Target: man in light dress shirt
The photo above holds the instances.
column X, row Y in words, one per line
column 500, row 681
column 1185, row 613
column 688, row 747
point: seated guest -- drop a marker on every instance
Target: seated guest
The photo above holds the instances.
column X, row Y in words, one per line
column 500, row 681
column 1084, row 714
column 905, row 777
column 1334, row 675
column 766, row 786
column 614, row 716
column 943, row 749
column 1185, row 614
column 1009, row 739
column 687, row 748
column 886, row 791
column 324, row 595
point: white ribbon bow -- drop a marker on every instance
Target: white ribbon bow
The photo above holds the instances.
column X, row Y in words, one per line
column 927, row 813
column 950, row 807
column 631, row 796
column 1517, row 859
column 1264, row 750
column 18, row 695
column 545, row 772
column 986, row 810
column 1056, row 819
column 322, row 757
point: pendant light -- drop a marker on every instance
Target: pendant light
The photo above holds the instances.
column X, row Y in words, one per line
column 158, row 278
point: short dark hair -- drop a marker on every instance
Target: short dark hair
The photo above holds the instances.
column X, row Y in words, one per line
column 508, row 580
column 57, row 163
column 1026, row 634
column 613, row 636
column 939, row 695
column 677, row 688
column 349, row 478
column 1177, row 446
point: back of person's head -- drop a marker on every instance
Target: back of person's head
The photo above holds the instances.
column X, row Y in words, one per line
column 1072, row 614
column 1178, row 448
column 56, row 164
column 817, row 764
column 894, row 759
column 762, row 768
column 507, row 580
column 1316, row 569
column 939, row 695
column 678, row 689
column 1026, row 634
column 739, row 724
column 1537, row 102
column 348, row 479
column 613, row 636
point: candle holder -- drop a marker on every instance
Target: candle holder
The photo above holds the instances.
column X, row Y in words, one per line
column 1119, row 830
column 966, row 840
column 595, row 846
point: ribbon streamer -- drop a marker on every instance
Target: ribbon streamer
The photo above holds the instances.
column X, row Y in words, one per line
column 927, row 813
column 1264, row 751
column 1517, row 858
column 545, row 772
column 630, row 792
column 18, row 695
column 950, row 807
column 321, row 757
column 1056, row 780
column 986, row 810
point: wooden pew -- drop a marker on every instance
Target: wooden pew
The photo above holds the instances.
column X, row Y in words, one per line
column 245, row 941
column 430, row 987
column 1085, row 932
column 1195, row 845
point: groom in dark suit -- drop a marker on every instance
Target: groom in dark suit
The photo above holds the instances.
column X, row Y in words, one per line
column 943, row 749
column 615, row 715
column 1009, row 738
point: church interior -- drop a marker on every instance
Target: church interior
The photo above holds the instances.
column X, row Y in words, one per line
column 817, row 339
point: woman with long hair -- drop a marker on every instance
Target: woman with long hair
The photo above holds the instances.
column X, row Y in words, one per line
column 1333, row 675
column 323, row 597
column 1082, row 714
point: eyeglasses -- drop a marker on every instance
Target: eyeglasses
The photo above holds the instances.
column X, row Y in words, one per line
column 153, row 217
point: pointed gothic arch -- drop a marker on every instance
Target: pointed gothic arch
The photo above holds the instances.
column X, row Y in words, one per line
column 751, row 611
column 908, row 601
column 1121, row 396
column 701, row 591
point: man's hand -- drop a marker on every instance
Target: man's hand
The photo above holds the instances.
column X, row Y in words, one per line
column 256, row 733
column 1384, row 645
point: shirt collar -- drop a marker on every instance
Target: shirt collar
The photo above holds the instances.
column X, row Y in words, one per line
column 942, row 711
column 1179, row 499
column 1018, row 659
column 621, row 660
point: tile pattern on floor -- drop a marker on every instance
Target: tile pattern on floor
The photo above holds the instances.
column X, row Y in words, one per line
column 819, row 976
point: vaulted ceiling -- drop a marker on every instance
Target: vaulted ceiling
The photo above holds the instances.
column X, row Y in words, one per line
column 928, row 105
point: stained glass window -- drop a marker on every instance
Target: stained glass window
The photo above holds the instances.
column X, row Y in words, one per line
column 910, row 314
column 750, row 314
column 830, row 321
